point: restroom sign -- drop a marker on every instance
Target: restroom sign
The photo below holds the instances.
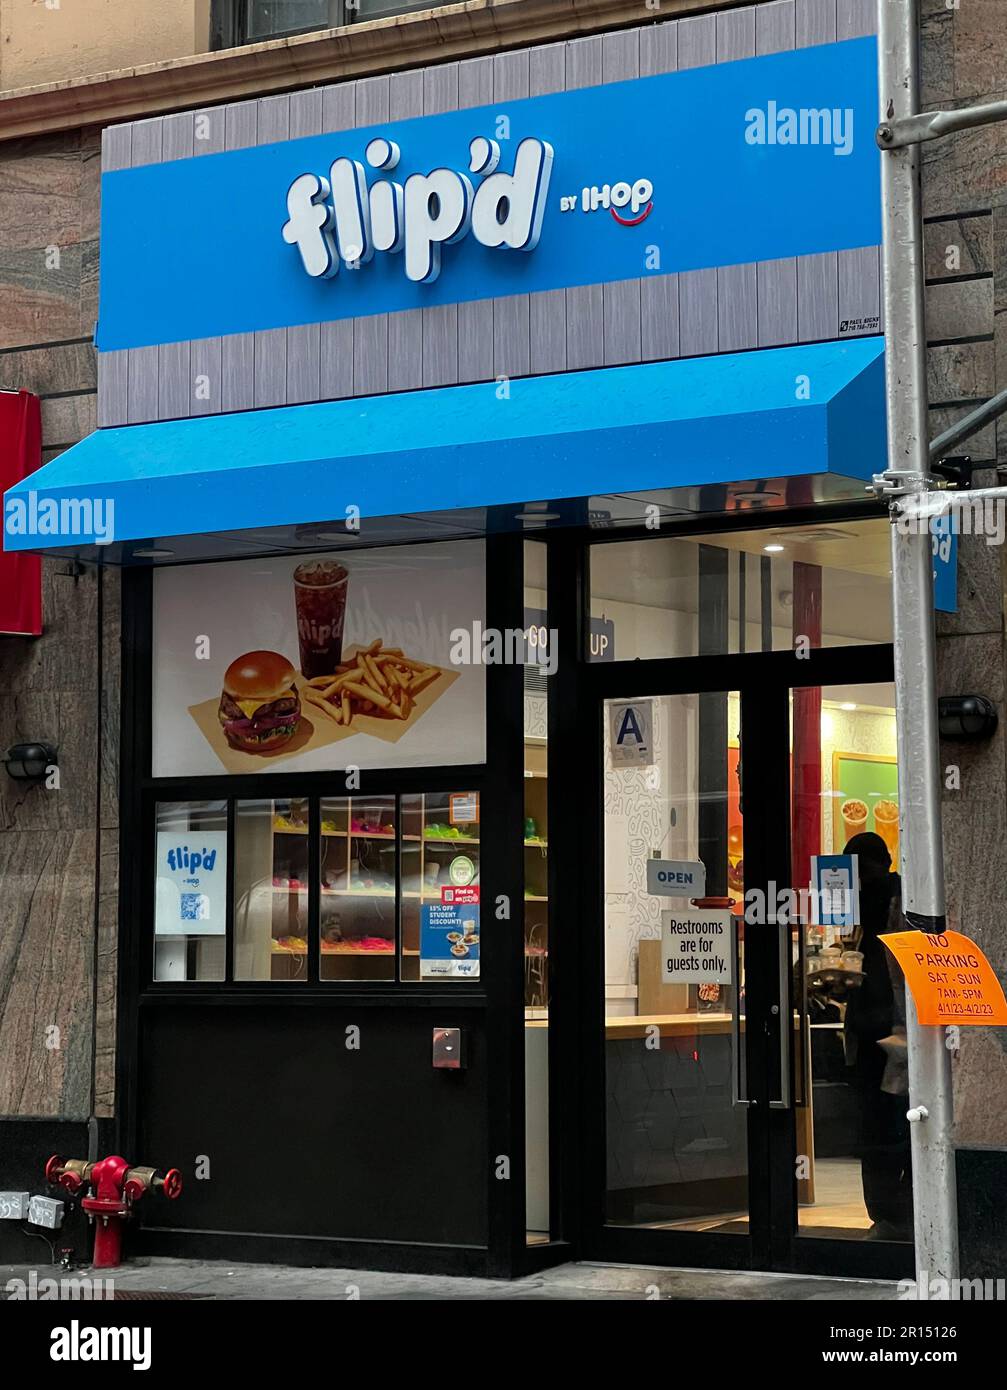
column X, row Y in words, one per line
column 631, row 732
column 697, row 948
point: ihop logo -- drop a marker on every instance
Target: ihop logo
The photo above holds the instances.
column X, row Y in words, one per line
column 343, row 218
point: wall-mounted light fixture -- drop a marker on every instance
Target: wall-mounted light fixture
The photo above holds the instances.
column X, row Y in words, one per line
column 966, row 716
column 29, row 762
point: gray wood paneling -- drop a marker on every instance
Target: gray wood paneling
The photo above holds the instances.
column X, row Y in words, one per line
column 815, row 22
column 659, row 49
column 737, row 308
column 697, row 312
column 113, row 376
column 174, row 379
column 655, row 316
column 339, row 106
column 335, row 340
column 737, row 287
column 206, row 391
column 116, row 147
column 475, row 320
column 658, row 292
column 113, row 388
column 817, row 297
column 304, row 339
column 776, row 281
column 270, row 347
column 142, row 373
column 439, row 325
column 237, row 350
column 547, row 309
column 855, row 18
column 370, row 335
column 777, row 291
column 405, row 330
column 620, row 61
column 697, row 41
column 859, row 291
column 585, row 305
column 775, row 27
column 735, row 35
column 511, row 315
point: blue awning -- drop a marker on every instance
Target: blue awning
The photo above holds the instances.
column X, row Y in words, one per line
column 784, row 413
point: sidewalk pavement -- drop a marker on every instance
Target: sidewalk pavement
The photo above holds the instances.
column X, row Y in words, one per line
column 216, row 1279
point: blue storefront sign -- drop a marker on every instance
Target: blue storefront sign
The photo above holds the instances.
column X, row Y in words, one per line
column 944, row 541
column 736, row 163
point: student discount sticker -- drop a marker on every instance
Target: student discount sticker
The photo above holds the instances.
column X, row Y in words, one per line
column 696, row 948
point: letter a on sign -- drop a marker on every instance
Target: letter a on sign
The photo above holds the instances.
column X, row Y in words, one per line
column 631, row 733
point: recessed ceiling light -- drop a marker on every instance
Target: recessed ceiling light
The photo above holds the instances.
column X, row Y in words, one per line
column 772, row 549
column 847, row 705
column 151, row 552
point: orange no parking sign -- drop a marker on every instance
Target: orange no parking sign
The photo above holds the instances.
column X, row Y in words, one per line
column 949, row 978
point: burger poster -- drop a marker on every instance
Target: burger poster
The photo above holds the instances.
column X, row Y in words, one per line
column 319, row 662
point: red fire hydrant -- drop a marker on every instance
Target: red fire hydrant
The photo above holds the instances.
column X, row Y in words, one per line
column 115, row 1186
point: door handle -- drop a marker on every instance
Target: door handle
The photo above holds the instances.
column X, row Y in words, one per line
column 739, row 1082
column 804, row 1019
column 785, row 1016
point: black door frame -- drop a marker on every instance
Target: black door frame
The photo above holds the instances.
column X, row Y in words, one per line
column 577, row 1036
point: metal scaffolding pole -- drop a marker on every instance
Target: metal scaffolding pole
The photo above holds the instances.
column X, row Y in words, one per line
column 930, row 1094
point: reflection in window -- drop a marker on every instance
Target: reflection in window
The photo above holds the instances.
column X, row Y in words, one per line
column 357, row 882
column 440, row 886
column 190, row 909
column 668, row 596
column 270, row 890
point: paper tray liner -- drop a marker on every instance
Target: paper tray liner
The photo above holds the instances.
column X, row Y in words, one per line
column 315, row 730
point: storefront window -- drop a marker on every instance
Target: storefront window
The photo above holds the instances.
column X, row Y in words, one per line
column 190, row 905
column 357, row 884
column 271, row 890
column 741, row 591
column 440, row 886
column 397, row 884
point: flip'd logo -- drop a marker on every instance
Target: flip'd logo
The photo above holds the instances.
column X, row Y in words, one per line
column 340, row 218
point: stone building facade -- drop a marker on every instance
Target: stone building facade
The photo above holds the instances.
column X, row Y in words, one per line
column 59, row 854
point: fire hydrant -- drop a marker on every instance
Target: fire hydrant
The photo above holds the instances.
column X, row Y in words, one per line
column 115, row 1186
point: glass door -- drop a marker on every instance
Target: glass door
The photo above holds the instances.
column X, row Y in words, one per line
column 852, row 1137
column 753, row 1056
column 677, row 1096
